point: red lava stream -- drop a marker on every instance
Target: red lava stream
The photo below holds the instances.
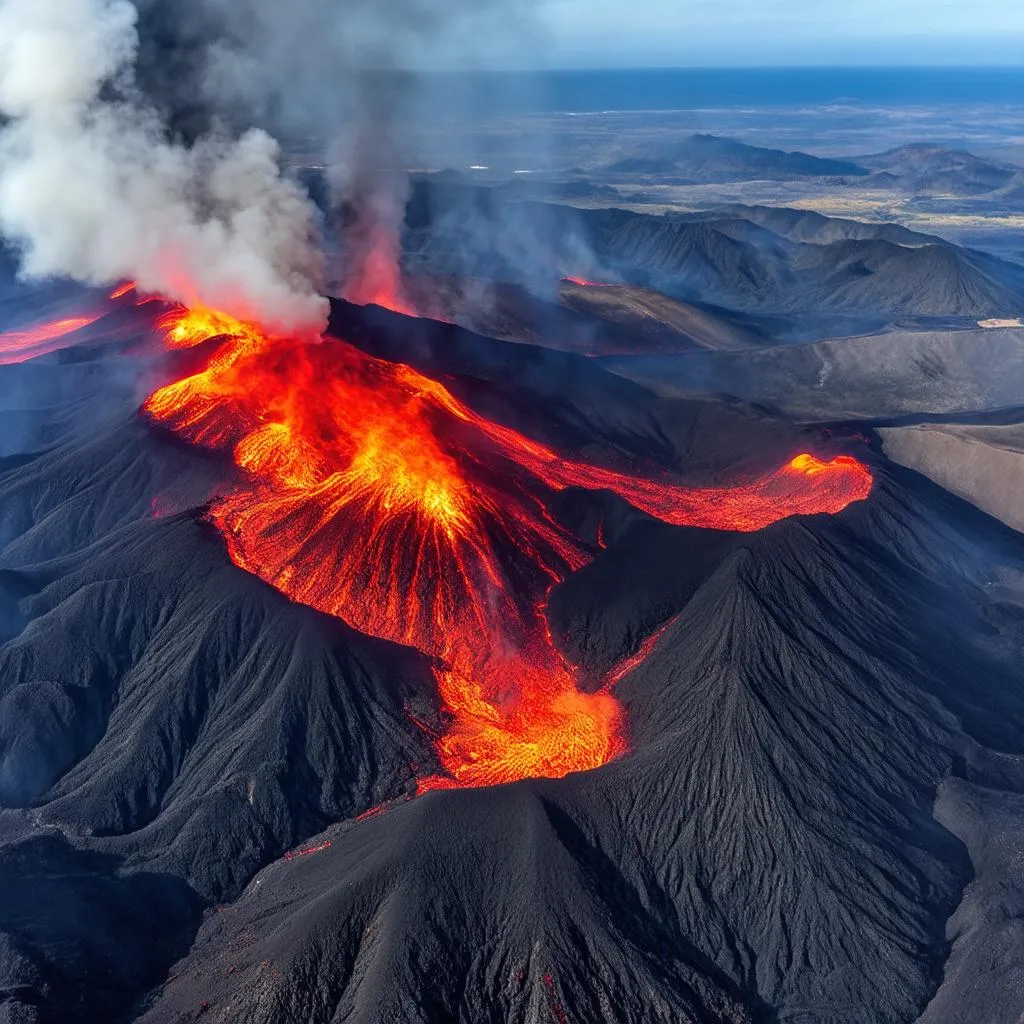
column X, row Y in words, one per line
column 371, row 493
column 20, row 346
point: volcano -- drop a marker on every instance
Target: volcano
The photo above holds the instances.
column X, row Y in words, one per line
column 374, row 495
column 406, row 674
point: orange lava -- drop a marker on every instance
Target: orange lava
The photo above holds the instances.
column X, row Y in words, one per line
column 29, row 343
column 582, row 282
column 308, row 850
column 20, row 346
column 371, row 493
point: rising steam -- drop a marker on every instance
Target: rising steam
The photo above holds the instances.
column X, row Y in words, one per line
column 92, row 188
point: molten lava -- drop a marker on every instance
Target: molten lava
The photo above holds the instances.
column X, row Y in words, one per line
column 582, row 282
column 31, row 342
column 371, row 493
column 20, row 346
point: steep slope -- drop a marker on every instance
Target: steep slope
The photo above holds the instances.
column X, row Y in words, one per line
column 922, row 167
column 810, row 226
column 591, row 321
column 879, row 377
column 169, row 724
column 641, row 311
column 170, row 727
column 984, row 464
column 739, row 259
column 928, row 280
column 1012, row 191
column 166, row 725
column 766, row 852
column 984, row 975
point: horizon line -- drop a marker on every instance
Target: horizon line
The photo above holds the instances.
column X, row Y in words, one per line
column 700, row 68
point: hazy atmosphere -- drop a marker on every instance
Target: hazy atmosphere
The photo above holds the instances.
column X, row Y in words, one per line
column 758, row 33
column 511, row 512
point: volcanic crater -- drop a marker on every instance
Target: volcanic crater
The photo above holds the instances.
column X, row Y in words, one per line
column 277, row 624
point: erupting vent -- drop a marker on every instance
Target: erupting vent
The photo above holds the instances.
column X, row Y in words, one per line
column 371, row 493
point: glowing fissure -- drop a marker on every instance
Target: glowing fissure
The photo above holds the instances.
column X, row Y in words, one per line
column 371, row 493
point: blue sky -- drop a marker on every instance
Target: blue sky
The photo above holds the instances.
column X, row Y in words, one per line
column 597, row 33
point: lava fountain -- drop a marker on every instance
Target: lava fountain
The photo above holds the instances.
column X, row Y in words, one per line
column 368, row 491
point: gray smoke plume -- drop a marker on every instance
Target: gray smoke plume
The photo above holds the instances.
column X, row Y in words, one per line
column 139, row 140
column 92, row 188
column 340, row 84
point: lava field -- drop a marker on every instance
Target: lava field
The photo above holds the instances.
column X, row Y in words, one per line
column 406, row 674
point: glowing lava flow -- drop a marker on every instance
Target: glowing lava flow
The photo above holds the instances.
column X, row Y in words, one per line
column 371, row 493
column 582, row 282
column 29, row 343
column 20, row 346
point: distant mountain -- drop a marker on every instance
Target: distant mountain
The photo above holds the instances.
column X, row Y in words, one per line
column 1012, row 191
column 763, row 270
column 931, row 280
column 809, row 226
column 922, row 167
column 709, row 158
column 753, row 260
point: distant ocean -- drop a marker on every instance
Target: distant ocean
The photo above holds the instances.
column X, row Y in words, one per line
column 687, row 89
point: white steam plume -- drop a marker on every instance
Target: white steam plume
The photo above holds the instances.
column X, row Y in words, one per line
column 91, row 188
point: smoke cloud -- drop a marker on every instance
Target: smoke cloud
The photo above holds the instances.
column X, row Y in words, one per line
column 138, row 140
column 92, row 188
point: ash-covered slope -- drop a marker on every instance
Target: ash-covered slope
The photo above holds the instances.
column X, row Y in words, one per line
column 740, row 259
column 983, row 463
column 810, row 226
column 590, row 321
column 645, row 313
column 946, row 404
column 1012, row 191
column 767, row 851
column 887, row 377
column 169, row 724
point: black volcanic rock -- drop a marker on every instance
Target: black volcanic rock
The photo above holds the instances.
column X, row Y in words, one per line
column 744, row 259
column 177, row 723
column 767, row 850
column 475, row 906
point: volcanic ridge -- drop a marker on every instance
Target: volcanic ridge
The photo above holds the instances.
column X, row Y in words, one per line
column 401, row 673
